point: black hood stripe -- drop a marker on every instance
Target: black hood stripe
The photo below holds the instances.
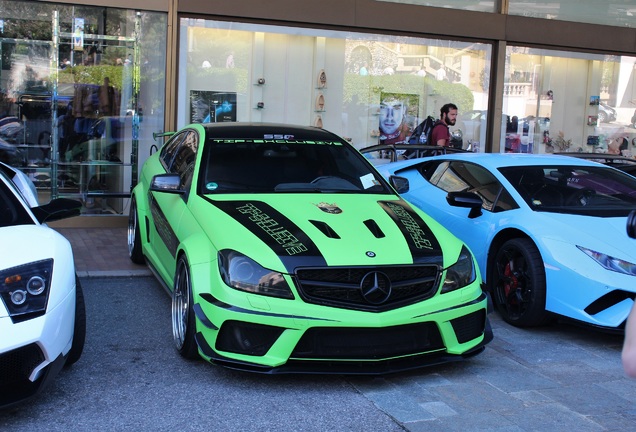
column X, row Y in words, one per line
column 293, row 247
column 422, row 242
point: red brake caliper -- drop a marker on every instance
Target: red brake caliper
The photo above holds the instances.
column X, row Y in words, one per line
column 511, row 281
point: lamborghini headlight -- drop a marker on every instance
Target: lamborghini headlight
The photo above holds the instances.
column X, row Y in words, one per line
column 245, row 274
column 460, row 274
column 25, row 289
column 610, row 263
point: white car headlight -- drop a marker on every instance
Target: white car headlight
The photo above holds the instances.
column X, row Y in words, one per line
column 460, row 274
column 610, row 263
column 245, row 274
column 25, row 289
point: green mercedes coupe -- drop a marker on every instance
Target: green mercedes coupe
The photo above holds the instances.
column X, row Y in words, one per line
column 284, row 250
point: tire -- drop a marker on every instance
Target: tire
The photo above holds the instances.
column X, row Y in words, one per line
column 183, row 321
column 518, row 284
column 79, row 328
column 134, row 235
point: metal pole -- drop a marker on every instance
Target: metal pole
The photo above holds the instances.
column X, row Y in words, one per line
column 54, row 77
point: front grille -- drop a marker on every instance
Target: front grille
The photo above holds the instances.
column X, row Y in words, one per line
column 342, row 287
column 368, row 343
column 16, row 366
column 469, row 327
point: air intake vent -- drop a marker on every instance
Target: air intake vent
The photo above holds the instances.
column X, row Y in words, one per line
column 374, row 228
column 325, row 229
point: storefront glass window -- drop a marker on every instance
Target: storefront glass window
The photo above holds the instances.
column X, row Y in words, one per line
column 336, row 80
column 568, row 102
column 619, row 13
column 82, row 90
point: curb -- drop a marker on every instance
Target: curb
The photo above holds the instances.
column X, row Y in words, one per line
column 113, row 273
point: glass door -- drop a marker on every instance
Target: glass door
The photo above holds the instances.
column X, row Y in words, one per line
column 69, row 112
column 96, row 98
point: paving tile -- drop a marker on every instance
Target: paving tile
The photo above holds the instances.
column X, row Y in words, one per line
column 399, row 406
column 473, row 422
column 588, row 399
column 471, row 398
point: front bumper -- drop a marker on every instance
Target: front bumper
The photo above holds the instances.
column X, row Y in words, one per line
column 579, row 289
column 331, row 340
column 16, row 369
column 33, row 351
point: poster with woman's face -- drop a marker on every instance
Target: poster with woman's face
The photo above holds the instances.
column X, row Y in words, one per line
column 398, row 114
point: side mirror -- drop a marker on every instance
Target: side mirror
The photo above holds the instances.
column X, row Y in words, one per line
column 169, row 183
column 401, row 184
column 59, row 208
column 466, row 199
column 631, row 224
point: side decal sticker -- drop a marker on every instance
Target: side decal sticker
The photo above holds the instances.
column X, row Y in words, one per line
column 166, row 233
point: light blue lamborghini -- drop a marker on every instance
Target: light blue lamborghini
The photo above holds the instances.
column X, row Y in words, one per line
column 548, row 231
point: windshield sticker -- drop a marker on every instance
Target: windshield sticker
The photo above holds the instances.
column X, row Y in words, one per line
column 273, row 139
column 368, row 181
column 211, row 186
column 278, row 137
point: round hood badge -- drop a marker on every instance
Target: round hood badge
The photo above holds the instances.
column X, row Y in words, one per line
column 329, row 208
column 375, row 287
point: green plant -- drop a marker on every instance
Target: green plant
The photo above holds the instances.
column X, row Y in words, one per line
column 559, row 143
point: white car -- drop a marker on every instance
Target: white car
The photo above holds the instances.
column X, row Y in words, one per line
column 42, row 313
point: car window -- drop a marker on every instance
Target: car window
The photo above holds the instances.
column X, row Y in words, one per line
column 12, row 211
column 458, row 176
column 595, row 191
column 185, row 153
column 252, row 166
column 169, row 150
column 184, row 158
column 433, row 170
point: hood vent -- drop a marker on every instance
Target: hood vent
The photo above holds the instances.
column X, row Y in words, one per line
column 325, row 229
column 374, row 228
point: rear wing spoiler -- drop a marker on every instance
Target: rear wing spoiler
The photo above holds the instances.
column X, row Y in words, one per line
column 156, row 135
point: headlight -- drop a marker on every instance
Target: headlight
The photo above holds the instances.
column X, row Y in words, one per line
column 611, row 263
column 460, row 274
column 25, row 289
column 245, row 274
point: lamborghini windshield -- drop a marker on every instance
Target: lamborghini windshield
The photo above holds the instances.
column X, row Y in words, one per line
column 281, row 166
column 593, row 191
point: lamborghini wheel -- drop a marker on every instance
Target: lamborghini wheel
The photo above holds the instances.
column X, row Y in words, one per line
column 183, row 324
column 518, row 283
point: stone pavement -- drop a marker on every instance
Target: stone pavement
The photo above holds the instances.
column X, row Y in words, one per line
column 554, row 378
column 102, row 252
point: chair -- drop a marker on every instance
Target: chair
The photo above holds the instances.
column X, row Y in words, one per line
column 537, row 190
